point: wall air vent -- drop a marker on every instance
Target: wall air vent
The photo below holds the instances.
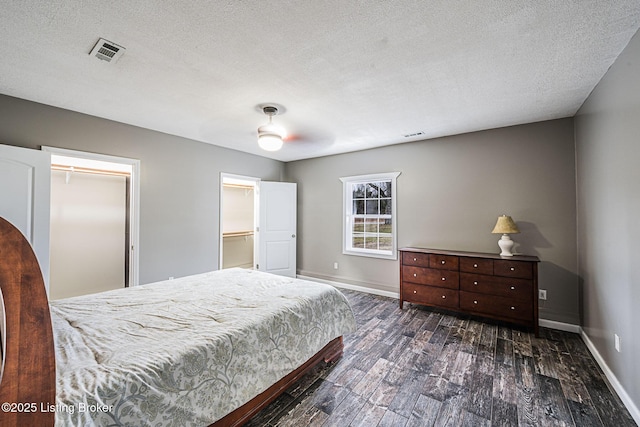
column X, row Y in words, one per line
column 411, row 135
column 107, row 51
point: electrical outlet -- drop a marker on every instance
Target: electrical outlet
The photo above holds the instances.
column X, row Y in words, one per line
column 335, row 265
column 617, row 342
column 542, row 294
column 170, row 277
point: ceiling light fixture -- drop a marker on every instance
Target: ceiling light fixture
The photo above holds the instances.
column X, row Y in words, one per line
column 270, row 136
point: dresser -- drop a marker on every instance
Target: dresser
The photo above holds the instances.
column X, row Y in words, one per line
column 482, row 284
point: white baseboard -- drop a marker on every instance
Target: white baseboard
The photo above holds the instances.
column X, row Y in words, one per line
column 613, row 380
column 352, row 287
column 552, row 324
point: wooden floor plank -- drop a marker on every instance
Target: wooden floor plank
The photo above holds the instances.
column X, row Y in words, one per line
column 471, row 337
column 372, row 378
column 552, row 408
column 432, row 320
column 421, row 367
column 572, row 387
column 472, row 420
column 328, row 396
column 584, row 415
column 408, row 393
column 575, row 346
column 420, row 340
column 522, row 343
column 391, row 419
column 486, row 350
column 504, row 352
column 345, row 412
column 369, row 415
column 453, row 406
column 460, row 368
column 504, row 384
column 425, row 412
column 435, row 387
column 384, row 394
column 480, row 396
column 503, row 413
column 403, row 364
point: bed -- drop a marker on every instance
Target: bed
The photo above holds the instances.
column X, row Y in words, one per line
column 209, row 349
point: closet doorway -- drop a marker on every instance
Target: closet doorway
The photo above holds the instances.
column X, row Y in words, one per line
column 238, row 221
column 94, row 211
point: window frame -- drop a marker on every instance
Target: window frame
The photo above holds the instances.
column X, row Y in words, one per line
column 349, row 216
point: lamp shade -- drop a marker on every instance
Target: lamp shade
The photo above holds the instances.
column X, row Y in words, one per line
column 505, row 225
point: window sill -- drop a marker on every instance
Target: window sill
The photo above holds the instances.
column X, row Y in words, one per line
column 371, row 254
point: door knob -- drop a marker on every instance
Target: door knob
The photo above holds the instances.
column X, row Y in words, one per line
column 293, row 236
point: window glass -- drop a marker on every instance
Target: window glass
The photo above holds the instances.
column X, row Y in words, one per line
column 369, row 222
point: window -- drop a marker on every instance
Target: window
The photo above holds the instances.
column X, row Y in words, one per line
column 369, row 225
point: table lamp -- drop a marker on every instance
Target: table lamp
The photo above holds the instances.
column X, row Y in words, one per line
column 505, row 226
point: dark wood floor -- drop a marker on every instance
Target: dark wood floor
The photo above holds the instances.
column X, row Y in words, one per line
column 418, row 367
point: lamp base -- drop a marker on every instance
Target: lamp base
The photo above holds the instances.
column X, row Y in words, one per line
column 506, row 244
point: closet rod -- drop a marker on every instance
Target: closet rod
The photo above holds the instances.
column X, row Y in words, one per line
column 237, row 233
column 246, row 187
column 88, row 170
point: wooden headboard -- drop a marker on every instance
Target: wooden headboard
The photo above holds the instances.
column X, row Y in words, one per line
column 29, row 377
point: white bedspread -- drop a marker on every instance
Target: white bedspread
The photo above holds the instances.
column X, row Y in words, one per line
column 188, row 351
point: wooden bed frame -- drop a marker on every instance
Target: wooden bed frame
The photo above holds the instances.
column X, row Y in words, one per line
column 29, row 375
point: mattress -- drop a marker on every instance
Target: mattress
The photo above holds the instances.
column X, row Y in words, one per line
column 188, row 351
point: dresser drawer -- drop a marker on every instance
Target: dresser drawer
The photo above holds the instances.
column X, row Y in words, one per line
column 488, row 285
column 476, row 265
column 414, row 258
column 507, row 268
column 496, row 306
column 520, row 289
column 445, row 262
column 431, row 277
column 421, row 294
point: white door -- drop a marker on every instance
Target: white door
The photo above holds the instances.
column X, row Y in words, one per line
column 25, row 181
column 277, row 229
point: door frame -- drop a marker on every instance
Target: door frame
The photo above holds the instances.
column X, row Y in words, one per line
column 134, row 201
column 248, row 180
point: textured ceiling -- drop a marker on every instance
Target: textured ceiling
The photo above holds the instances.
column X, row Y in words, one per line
column 350, row 74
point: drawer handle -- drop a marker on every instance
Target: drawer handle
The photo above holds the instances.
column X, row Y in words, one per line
column 513, row 288
column 442, row 262
column 513, row 269
column 475, row 283
column 444, row 297
column 475, row 265
column 415, row 275
column 475, row 302
column 513, row 308
column 415, row 292
column 444, row 278
column 415, row 259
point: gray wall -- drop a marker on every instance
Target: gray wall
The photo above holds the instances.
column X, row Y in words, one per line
column 179, row 185
column 608, row 179
column 450, row 194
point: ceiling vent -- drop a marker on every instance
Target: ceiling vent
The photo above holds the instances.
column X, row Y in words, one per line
column 411, row 135
column 107, row 51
